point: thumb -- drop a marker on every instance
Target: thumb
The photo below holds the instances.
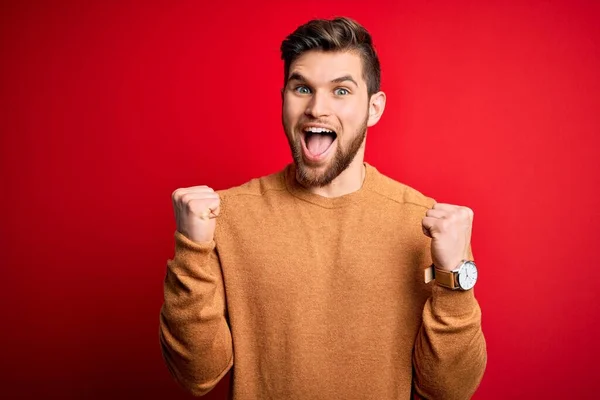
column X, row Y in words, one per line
column 211, row 210
column 426, row 232
column 427, row 225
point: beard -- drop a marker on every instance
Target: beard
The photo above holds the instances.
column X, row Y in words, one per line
column 309, row 176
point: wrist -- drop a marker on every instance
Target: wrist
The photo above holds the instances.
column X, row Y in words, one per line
column 450, row 265
column 461, row 277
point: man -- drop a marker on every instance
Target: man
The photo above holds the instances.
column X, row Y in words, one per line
column 310, row 282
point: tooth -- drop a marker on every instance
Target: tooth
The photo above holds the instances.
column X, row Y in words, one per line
column 318, row 130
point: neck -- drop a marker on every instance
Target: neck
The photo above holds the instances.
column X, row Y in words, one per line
column 350, row 180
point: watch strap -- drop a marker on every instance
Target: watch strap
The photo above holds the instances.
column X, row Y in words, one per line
column 443, row 278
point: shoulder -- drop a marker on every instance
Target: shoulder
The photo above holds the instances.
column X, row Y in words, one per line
column 392, row 190
column 254, row 188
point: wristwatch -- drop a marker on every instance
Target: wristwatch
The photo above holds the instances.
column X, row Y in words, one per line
column 462, row 278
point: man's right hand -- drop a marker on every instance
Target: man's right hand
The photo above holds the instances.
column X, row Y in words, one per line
column 195, row 211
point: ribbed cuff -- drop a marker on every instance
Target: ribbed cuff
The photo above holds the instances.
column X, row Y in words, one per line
column 183, row 243
column 190, row 257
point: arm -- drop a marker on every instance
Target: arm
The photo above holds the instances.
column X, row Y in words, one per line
column 194, row 334
column 450, row 354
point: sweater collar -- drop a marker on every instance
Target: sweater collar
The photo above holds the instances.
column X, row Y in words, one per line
column 304, row 194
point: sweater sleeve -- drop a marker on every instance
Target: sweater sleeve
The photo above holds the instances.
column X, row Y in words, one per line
column 194, row 333
column 450, row 354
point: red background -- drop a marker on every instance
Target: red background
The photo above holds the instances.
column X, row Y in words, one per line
column 106, row 109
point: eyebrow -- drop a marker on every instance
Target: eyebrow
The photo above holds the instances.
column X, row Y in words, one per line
column 346, row 78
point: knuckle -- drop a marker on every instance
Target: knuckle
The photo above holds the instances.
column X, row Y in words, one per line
column 175, row 195
column 185, row 199
column 468, row 212
column 194, row 208
column 444, row 225
column 450, row 216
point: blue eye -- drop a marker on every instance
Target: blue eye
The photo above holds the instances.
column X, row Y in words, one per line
column 302, row 90
column 341, row 91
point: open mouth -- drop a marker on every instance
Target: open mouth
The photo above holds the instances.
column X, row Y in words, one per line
column 317, row 141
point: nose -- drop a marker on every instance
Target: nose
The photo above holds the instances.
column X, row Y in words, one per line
column 317, row 106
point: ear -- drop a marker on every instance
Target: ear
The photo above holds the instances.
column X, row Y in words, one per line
column 282, row 89
column 376, row 107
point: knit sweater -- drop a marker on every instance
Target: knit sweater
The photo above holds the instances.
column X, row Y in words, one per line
column 307, row 297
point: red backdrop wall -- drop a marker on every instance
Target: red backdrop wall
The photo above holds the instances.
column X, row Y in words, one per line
column 107, row 108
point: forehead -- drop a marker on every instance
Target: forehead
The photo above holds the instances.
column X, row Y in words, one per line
column 321, row 67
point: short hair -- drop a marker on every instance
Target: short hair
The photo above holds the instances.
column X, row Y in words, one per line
column 338, row 34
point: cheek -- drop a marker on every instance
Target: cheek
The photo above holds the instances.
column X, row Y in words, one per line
column 351, row 115
column 291, row 109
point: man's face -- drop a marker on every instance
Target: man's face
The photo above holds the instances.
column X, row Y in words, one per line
column 325, row 114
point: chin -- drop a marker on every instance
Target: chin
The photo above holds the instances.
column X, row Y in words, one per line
column 319, row 175
column 314, row 176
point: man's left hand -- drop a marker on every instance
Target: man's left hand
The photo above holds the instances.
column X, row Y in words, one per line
column 449, row 227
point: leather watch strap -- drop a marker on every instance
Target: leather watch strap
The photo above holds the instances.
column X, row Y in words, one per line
column 442, row 278
column 445, row 278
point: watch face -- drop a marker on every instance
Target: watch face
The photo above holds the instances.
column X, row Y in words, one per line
column 467, row 276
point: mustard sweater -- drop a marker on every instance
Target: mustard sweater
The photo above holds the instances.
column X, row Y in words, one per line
column 308, row 297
